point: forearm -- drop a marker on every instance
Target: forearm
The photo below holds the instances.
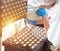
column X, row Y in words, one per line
column 46, row 23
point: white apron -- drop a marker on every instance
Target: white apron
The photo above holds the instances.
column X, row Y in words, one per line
column 53, row 33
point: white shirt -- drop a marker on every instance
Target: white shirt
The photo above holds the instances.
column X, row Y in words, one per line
column 34, row 3
column 53, row 33
column 49, row 12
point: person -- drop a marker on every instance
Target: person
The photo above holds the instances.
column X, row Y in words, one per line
column 53, row 26
column 32, row 18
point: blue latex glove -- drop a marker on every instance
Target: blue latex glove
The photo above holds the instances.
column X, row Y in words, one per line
column 41, row 12
column 33, row 22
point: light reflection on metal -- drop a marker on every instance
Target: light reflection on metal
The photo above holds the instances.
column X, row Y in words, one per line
column 26, row 37
column 13, row 10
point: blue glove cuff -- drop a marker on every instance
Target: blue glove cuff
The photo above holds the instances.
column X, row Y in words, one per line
column 33, row 22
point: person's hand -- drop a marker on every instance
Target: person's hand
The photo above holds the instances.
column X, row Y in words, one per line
column 41, row 12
